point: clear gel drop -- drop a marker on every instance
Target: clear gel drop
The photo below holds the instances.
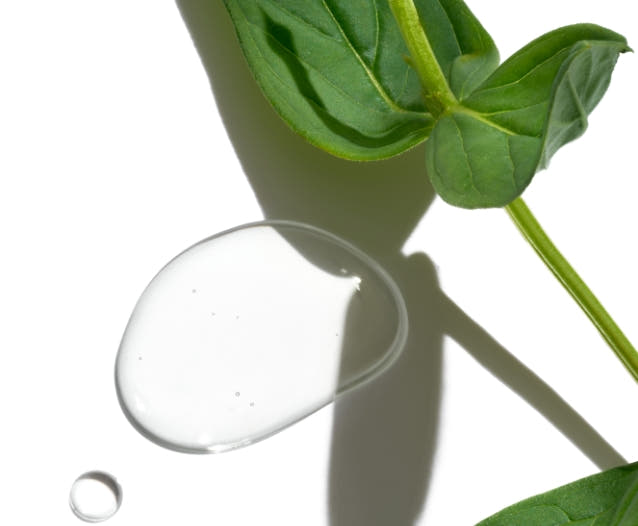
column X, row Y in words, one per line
column 249, row 331
column 95, row 496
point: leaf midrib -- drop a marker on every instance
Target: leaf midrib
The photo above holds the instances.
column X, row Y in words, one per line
column 373, row 80
column 326, row 79
column 377, row 85
column 481, row 91
column 482, row 117
column 318, row 108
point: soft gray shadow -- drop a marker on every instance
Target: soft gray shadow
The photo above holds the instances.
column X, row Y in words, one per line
column 384, row 434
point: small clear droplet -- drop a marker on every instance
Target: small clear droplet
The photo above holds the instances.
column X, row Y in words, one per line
column 287, row 282
column 95, row 496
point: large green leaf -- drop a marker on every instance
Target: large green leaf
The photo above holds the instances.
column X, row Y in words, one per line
column 335, row 73
column 606, row 499
column 486, row 152
column 338, row 72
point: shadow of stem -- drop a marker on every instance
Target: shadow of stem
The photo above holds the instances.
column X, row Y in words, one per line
column 384, row 434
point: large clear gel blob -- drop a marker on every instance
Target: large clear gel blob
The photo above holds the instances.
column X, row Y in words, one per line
column 251, row 330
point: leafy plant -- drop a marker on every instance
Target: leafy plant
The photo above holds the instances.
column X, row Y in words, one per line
column 339, row 74
column 367, row 80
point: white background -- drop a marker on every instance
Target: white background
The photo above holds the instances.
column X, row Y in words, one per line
column 114, row 157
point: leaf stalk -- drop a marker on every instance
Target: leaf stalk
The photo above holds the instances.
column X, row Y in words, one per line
column 565, row 273
column 437, row 92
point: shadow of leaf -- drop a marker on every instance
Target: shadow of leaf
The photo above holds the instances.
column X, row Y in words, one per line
column 384, row 434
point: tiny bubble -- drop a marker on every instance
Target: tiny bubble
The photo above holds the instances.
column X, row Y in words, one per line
column 252, row 404
column 95, row 496
column 194, row 291
column 237, row 317
column 237, row 393
column 212, row 313
column 139, row 357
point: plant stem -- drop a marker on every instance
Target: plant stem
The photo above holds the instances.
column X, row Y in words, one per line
column 438, row 95
column 564, row 272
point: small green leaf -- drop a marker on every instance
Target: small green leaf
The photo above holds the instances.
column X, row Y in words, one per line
column 464, row 50
column 577, row 92
column 534, row 103
column 336, row 72
column 606, row 499
column 473, row 163
column 519, row 95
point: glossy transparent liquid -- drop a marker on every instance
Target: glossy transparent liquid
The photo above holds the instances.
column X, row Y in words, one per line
column 251, row 330
column 95, row 496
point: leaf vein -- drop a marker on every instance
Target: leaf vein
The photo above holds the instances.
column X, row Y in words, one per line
column 371, row 77
column 469, row 76
column 522, row 77
column 590, row 68
column 577, row 101
column 511, row 160
column 316, row 106
column 318, row 72
column 406, row 78
column 481, row 117
column 511, row 110
column 465, row 155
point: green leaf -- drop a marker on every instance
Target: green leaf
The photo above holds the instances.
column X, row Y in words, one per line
column 464, row 50
column 534, row 103
column 577, row 92
column 473, row 163
column 336, row 72
column 606, row 499
column 339, row 74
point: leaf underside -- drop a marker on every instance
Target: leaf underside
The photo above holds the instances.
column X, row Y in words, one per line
column 606, row 499
column 335, row 72
column 463, row 48
column 485, row 153
column 338, row 72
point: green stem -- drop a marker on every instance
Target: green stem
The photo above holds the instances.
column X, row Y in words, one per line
column 438, row 94
column 564, row 272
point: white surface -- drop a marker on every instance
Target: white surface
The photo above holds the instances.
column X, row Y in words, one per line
column 114, row 158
